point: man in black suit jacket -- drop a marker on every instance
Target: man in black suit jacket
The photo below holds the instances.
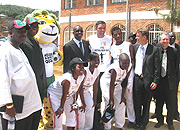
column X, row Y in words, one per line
column 33, row 52
column 166, row 90
column 146, row 78
column 174, row 45
column 73, row 48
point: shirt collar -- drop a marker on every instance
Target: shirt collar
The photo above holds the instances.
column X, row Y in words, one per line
column 76, row 41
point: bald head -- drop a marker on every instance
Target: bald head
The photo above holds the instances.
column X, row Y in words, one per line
column 124, row 61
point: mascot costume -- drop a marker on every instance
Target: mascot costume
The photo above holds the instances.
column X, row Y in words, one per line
column 48, row 31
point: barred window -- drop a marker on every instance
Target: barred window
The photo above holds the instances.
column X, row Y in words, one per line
column 70, row 4
column 154, row 32
column 118, row 1
column 90, row 31
column 66, row 35
column 93, row 2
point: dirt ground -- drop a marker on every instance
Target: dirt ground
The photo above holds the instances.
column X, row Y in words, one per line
column 58, row 71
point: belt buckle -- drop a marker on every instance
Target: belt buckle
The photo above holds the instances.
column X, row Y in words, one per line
column 141, row 76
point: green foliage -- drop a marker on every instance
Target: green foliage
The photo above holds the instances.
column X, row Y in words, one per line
column 19, row 12
column 174, row 15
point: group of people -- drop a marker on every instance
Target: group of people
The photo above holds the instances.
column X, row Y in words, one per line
column 129, row 76
column 121, row 76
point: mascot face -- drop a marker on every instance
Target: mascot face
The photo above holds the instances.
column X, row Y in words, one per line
column 48, row 31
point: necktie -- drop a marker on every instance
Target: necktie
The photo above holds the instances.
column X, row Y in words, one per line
column 142, row 52
column 80, row 43
column 164, row 64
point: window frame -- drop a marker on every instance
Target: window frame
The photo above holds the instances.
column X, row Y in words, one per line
column 94, row 1
column 71, row 7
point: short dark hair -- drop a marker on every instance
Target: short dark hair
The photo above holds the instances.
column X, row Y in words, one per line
column 114, row 28
column 144, row 32
column 93, row 56
column 99, row 22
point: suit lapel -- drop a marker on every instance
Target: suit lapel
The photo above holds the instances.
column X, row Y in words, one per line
column 76, row 47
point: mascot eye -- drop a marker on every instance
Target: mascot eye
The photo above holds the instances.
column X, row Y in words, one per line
column 42, row 22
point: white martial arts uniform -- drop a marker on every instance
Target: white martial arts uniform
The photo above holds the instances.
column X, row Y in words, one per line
column 102, row 47
column 105, row 87
column 86, row 118
column 116, row 50
column 17, row 78
column 55, row 93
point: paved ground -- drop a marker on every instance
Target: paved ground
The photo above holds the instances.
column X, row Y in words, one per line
column 150, row 126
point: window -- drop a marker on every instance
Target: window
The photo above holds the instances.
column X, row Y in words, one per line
column 90, row 31
column 70, row 4
column 118, row 1
column 66, row 35
column 93, row 2
column 123, row 30
column 154, row 32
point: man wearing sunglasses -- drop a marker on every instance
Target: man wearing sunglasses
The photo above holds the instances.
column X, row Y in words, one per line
column 75, row 48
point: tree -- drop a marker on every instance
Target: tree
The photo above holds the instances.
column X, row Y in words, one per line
column 174, row 15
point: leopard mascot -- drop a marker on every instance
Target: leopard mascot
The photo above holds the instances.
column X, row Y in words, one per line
column 49, row 29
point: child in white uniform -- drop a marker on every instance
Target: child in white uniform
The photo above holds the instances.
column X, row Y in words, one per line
column 62, row 94
column 91, row 79
column 113, row 92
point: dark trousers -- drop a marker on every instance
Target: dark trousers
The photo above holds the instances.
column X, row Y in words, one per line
column 29, row 123
column 99, row 92
column 142, row 98
column 165, row 95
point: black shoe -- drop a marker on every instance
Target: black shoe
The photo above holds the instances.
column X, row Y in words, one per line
column 177, row 118
column 130, row 125
column 136, row 127
column 154, row 116
column 157, row 125
column 142, row 127
column 170, row 127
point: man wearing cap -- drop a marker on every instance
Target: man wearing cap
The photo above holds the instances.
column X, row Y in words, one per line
column 33, row 52
column 18, row 78
column 132, row 38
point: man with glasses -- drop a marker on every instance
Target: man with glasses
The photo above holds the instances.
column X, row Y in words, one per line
column 77, row 47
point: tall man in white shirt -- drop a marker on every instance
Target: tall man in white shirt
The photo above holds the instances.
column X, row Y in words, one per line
column 101, row 44
column 18, row 78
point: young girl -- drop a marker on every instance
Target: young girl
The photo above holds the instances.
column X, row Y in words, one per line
column 91, row 79
column 62, row 94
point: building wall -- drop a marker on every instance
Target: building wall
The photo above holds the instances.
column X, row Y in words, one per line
column 138, row 7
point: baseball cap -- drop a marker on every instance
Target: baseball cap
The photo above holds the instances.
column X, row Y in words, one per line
column 108, row 115
column 132, row 35
column 77, row 60
column 18, row 24
column 31, row 20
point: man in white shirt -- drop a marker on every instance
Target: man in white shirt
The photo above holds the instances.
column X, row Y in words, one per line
column 18, row 78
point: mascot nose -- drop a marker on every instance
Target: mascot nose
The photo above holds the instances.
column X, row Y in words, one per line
column 52, row 27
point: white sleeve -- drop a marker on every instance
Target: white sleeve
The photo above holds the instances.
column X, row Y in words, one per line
column 5, row 79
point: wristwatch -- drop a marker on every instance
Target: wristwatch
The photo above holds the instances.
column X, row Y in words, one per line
column 9, row 107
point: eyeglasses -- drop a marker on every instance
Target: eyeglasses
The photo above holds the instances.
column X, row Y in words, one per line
column 79, row 31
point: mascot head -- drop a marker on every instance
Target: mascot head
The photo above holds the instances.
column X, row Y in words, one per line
column 48, row 26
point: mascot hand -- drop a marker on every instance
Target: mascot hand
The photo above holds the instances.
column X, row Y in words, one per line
column 58, row 58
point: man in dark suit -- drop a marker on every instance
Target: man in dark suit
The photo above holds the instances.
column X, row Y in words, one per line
column 75, row 48
column 33, row 52
column 174, row 45
column 166, row 90
column 146, row 76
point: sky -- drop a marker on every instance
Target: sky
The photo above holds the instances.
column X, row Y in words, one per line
column 35, row 4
